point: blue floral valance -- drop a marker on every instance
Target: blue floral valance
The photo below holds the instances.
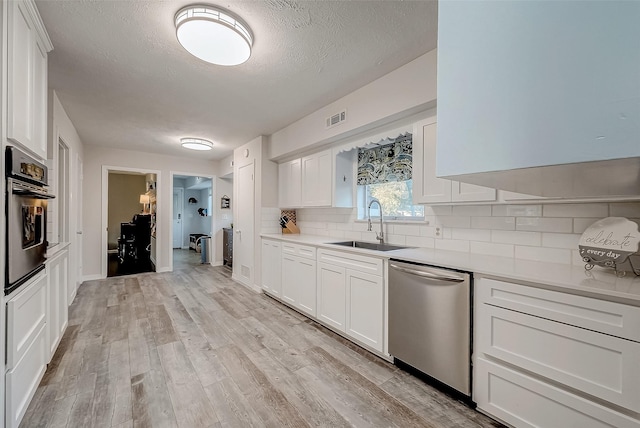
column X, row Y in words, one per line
column 388, row 163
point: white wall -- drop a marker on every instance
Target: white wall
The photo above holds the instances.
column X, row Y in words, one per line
column 95, row 158
column 225, row 167
column 61, row 127
column 403, row 92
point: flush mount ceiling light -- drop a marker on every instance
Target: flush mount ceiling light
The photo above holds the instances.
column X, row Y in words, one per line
column 196, row 144
column 213, row 35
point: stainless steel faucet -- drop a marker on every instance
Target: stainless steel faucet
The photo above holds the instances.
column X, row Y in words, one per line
column 379, row 237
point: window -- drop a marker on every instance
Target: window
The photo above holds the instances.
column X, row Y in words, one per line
column 384, row 173
column 395, row 198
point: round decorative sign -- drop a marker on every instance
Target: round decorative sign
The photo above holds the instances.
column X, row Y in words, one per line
column 609, row 242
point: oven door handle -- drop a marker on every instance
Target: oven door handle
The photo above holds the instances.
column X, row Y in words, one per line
column 32, row 193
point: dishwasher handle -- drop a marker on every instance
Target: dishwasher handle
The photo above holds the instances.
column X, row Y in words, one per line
column 429, row 275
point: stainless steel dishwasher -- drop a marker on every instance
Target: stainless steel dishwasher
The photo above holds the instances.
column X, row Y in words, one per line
column 429, row 321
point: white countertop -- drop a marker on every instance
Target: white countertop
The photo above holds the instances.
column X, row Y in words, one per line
column 55, row 248
column 598, row 283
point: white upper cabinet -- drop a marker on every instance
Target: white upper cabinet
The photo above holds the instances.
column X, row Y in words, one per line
column 317, row 171
column 28, row 45
column 290, row 184
column 540, row 97
column 429, row 189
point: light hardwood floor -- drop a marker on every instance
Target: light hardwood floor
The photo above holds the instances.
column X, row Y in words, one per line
column 193, row 348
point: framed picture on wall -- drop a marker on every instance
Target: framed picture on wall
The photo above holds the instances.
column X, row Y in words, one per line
column 225, row 202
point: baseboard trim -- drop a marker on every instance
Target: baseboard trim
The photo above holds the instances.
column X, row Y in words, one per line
column 251, row 287
column 93, row 277
column 163, row 269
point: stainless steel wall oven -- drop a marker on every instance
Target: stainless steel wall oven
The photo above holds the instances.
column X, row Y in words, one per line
column 26, row 220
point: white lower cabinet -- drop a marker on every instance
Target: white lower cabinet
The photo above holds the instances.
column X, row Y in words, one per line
column 545, row 358
column 351, row 296
column 27, row 347
column 271, row 267
column 365, row 308
column 332, row 295
column 299, row 277
column 57, row 310
column 343, row 290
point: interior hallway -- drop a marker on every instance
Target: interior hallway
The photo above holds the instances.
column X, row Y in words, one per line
column 193, row 348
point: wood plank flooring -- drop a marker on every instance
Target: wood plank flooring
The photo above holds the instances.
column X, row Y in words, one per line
column 193, row 348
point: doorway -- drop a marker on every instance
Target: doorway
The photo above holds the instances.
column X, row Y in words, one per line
column 192, row 220
column 129, row 220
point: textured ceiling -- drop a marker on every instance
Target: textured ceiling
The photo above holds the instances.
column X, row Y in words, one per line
column 126, row 82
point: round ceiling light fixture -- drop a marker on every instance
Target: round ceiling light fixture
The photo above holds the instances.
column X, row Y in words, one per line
column 213, row 34
column 196, row 144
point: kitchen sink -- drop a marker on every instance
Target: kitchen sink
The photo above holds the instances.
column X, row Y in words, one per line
column 369, row 245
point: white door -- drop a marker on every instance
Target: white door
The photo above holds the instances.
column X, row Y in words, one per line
column 178, row 200
column 243, row 258
column 73, row 285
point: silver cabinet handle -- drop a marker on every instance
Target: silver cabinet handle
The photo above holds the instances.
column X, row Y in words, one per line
column 429, row 275
column 79, row 232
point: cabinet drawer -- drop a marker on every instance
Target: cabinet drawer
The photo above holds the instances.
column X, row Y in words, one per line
column 353, row 261
column 305, row 251
column 597, row 364
column 22, row 381
column 611, row 318
column 26, row 314
column 523, row 401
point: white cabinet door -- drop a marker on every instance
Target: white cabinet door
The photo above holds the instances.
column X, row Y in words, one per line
column 20, row 124
column 271, row 267
column 289, row 280
column 26, row 314
column 40, row 100
column 22, row 381
column 290, row 183
column 365, row 308
column 317, row 171
column 306, row 279
column 464, row 192
column 27, row 80
column 427, row 188
column 332, row 295
column 517, row 399
column 57, row 315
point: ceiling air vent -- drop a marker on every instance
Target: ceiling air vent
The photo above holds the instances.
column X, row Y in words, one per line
column 336, row 119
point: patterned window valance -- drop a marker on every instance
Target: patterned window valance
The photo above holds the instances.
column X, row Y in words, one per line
column 388, row 163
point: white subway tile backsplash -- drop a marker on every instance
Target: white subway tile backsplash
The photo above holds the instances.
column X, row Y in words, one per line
column 439, row 210
column 542, row 254
column 540, row 224
column 395, row 239
column 431, row 231
column 472, row 210
column 516, row 237
column 455, row 221
column 470, row 234
column 420, row 241
column 492, row 249
column 542, row 232
column 581, row 224
column 517, row 211
column 497, row 223
column 452, row 245
column 627, row 209
column 560, row 240
column 576, row 210
column 406, row 229
column 356, row 236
